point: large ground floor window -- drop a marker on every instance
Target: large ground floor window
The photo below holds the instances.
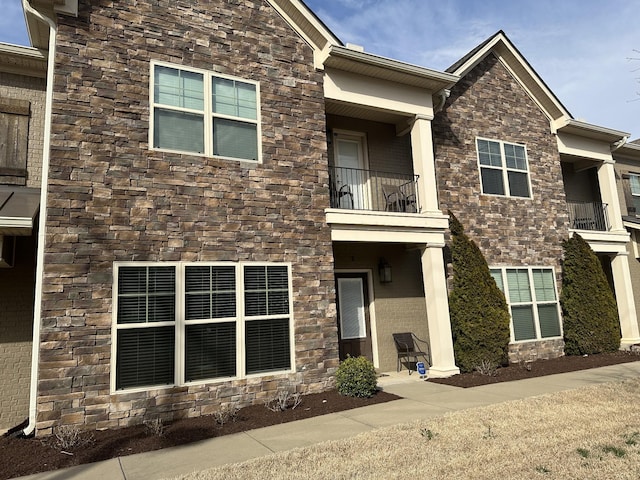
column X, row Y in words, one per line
column 178, row 323
column 531, row 295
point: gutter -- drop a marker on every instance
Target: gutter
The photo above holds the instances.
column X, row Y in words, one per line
column 46, row 147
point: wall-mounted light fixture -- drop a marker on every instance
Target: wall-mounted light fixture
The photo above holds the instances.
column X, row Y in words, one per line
column 384, row 270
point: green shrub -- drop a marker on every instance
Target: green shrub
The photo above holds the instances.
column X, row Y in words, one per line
column 589, row 309
column 356, row 377
column 479, row 313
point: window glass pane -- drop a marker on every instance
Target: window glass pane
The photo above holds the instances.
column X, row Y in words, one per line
column 268, row 345
column 146, row 294
column 210, row 292
column 489, row 153
column 634, row 180
column 518, row 283
column 497, row 276
column 210, row 351
column 549, row 322
column 235, row 139
column 523, row 326
column 518, row 184
column 179, row 88
column 543, row 284
column 178, row 131
column 145, row 357
column 515, row 156
column 234, row 98
column 492, row 181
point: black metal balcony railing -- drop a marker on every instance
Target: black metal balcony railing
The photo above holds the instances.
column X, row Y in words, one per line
column 588, row 216
column 358, row 189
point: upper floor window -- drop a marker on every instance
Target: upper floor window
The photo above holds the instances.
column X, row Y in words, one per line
column 503, row 168
column 200, row 112
column 634, row 181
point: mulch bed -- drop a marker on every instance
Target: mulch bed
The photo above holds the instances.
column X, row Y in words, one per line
column 24, row 456
column 20, row 456
column 539, row 368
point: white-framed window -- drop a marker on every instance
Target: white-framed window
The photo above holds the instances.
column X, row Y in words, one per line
column 533, row 302
column 504, row 168
column 182, row 323
column 202, row 112
column 634, row 182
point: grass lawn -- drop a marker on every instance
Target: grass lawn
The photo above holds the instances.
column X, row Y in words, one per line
column 590, row 433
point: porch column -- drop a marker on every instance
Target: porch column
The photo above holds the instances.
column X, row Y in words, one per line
column 435, row 294
column 609, row 194
column 424, row 164
column 625, row 300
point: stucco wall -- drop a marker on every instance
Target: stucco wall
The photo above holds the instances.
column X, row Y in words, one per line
column 112, row 199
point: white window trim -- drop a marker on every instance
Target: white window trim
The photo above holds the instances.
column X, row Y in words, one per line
column 180, row 322
column 631, row 189
column 504, row 169
column 534, row 303
column 208, row 111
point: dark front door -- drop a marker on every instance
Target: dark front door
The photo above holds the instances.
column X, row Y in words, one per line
column 354, row 326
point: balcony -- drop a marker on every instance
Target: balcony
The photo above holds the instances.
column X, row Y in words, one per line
column 588, row 216
column 356, row 189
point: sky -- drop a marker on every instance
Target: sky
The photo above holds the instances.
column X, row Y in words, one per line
column 586, row 51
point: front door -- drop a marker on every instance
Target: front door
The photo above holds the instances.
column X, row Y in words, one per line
column 354, row 326
column 351, row 173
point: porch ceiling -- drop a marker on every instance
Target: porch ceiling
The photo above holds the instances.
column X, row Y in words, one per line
column 361, row 112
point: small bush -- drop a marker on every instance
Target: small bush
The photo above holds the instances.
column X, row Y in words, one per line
column 356, row 377
column 226, row 413
column 284, row 399
column 155, row 427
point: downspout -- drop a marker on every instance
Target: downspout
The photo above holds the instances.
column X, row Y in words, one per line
column 37, row 308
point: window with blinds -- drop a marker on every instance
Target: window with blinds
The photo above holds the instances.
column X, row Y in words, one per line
column 532, row 298
column 198, row 112
column 503, row 168
column 184, row 323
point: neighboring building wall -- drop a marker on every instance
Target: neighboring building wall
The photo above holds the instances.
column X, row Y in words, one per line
column 16, row 320
column 623, row 167
column 21, row 87
column 112, row 199
column 17, row 283
column 399, row 306
column 489, row 103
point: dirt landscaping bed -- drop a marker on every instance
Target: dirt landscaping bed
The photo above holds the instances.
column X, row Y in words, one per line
column 539, row 368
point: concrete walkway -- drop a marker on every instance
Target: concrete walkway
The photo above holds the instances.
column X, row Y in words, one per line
column 420, row 400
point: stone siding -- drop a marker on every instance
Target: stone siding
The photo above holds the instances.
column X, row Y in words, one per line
column 112, row 199
column 488, row 102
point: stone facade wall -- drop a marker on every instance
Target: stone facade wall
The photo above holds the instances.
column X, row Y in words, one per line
column 21, row 87
column 490, row 103
column 399, row 306
column 112, row 199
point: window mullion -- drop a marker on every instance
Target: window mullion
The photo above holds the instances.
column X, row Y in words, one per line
column 180, row 324
column 505, row 174
column 208, row 115
column 240, row 320
column 534, row 304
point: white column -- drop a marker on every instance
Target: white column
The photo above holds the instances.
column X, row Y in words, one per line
column 424, row 164
column 435, row 293
column 625, row 300
column 609, row 194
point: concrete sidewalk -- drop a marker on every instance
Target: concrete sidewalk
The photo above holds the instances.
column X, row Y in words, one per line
column 420, row 400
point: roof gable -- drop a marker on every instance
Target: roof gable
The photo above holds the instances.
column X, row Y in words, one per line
column 500, row 46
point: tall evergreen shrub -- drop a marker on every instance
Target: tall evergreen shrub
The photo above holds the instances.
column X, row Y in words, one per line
column 479, row 312
column 589, row 309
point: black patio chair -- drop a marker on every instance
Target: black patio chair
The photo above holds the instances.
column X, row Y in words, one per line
column 408, row 348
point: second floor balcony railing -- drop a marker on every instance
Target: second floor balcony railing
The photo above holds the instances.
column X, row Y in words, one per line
column 588, row 216
column 357, row 189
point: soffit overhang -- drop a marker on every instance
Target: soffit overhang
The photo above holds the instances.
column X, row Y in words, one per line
column 22, row 60
column 375, row 66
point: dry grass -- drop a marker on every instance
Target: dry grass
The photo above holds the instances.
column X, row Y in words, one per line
column 590, row 433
